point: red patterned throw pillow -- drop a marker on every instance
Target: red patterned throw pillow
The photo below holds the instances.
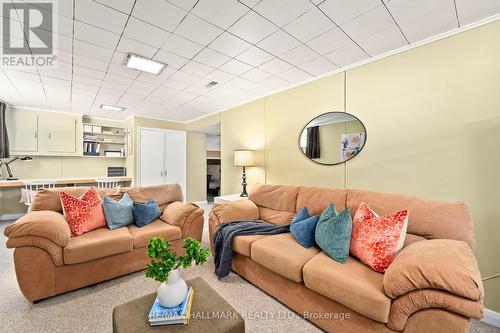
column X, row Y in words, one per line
column 83, row 214
column 376, row 239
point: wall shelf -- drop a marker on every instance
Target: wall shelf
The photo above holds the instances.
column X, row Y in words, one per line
column 98, row 139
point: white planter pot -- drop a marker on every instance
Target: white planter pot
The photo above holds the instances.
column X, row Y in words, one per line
column 173, row 291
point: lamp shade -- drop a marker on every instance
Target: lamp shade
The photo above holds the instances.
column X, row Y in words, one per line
column 243, row 158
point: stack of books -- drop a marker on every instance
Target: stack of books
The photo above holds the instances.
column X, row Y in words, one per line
column 180, row 314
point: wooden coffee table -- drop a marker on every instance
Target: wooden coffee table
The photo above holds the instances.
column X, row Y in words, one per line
column 209, row 313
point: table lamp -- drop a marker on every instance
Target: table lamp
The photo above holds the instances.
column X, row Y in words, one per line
column 9, row 171
column 243, row 158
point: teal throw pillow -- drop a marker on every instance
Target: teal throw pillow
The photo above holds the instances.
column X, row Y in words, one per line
column 303, row 226
column 333, row 233
column 118, row 213
column 145, row 213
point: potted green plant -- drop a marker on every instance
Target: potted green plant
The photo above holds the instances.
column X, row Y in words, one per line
column 165, row 265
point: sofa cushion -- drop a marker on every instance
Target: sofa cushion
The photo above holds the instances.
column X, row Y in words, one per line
column 141, row 236
column 275, row 216
column 333, row 233
column 277, row 197
column 118, row 213
column 351, row 284
column 145, row 213
column 282, row 255
column 83, row 213
column 431, row 219
column 243, row 244
column 97, row 243
column 316, row 199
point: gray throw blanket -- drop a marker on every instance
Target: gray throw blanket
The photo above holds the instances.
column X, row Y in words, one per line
column 223, row 240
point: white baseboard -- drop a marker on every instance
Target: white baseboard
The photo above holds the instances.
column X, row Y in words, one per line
column 201, row 203
column 10, row 217
column 491, row 317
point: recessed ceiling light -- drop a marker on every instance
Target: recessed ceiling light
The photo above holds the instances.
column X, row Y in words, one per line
column 111, row 108
column 144, row 64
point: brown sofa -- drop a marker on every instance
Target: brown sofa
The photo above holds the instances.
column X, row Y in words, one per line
column 433, row 285
column 49, row 262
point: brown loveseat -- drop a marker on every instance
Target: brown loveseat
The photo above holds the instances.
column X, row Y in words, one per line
column 433, row 285
column 49, row 262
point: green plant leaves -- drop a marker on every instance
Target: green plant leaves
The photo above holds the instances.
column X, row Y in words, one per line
column 164, row 260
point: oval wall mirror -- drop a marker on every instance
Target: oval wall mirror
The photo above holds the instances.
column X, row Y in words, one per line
column 332, row 138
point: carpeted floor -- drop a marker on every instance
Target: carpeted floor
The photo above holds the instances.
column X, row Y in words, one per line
column 89, row 309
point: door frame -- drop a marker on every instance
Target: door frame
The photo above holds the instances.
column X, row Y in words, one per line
column 138, row 152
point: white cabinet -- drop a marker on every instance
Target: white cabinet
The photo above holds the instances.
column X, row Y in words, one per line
column 22, row 128
column 57, row 135
column 162, row 157
column 33, row 132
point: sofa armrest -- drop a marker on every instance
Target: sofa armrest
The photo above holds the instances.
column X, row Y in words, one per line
column 442, row 264
column 187, row 216
column 224, row 212
column 44, row 224
column 55, row 251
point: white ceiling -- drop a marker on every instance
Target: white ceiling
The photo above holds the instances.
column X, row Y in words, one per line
column 252, row 48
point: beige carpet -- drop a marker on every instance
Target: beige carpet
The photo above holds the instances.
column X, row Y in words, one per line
column 89, row 309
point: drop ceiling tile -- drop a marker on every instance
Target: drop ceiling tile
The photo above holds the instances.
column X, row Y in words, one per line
column 172, row 60
column 118, row 58
column 259, row 89
column 196, row 68
column 98, row 75
column 382, row 41
column 235, row 67
column 184, row 77
column 86, row 10
column 81, row 79
column 123, row 71
column 318, row 66
column 83, row 61
column 160, row 13
column 250, row 3
column 317, row 2
column 157, row 79
column 222, row 13
column 281, row 12
column 439, row 16
column 121, row 88
column 341, row 11
column 141, row 87
column 299, row 55
column 92, row 51
column 211, row 58
column 124, row 6
column 347, row 55
column 118, row 79
column 329, row 41
column 145, row 32
column 256, row 75
column 173, row 84
column 220, row 76
column 253, row 28
column 229, row 44
column 181, row 46
column 310, row 25
column 275, row 66
column 180, row 98
column 255, row 56
column 184, row 4
column 240, row 83
column 295, row 75
column 473, row 10
column 197, row 30
column 279, row 43
column 276, row 82
column 128, row 45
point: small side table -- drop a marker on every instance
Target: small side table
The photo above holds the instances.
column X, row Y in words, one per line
column 229, row 198
column 132, row 317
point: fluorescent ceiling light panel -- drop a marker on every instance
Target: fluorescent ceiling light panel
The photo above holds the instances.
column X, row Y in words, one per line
column 111, row 108
column 144, row 64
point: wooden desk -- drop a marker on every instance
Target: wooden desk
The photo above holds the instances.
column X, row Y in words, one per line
column 60, row 181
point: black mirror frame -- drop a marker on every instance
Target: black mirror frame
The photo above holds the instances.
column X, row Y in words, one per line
column 330, row 164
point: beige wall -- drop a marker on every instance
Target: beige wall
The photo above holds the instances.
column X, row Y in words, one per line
column 433, row 129
column 196, row 156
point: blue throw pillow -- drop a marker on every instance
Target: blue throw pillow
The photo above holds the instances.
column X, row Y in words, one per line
column 118, row 213
column 333, row 233
column 146, row 213
column 303, row 226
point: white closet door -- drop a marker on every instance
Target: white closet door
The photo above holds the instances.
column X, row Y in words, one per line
column 152, row 157
column 175, row 159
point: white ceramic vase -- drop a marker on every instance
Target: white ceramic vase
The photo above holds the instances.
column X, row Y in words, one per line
column 173, row 291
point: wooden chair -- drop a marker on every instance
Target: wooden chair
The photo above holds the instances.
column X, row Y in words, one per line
column 30, row 189
column 107, row 183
